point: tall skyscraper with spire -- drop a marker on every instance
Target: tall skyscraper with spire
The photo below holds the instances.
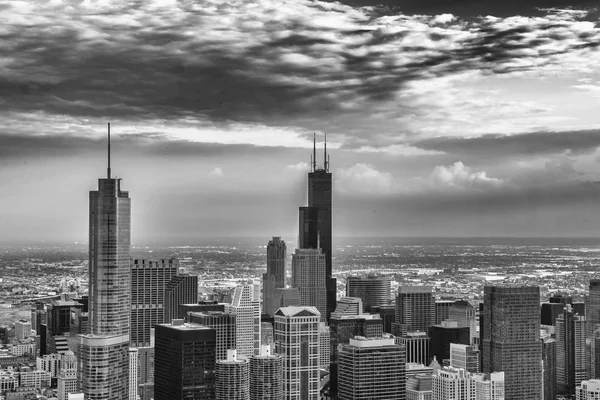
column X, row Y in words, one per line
column 315, row 220
column 104, row 355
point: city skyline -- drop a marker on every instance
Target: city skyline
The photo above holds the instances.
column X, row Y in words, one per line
column 443, row 123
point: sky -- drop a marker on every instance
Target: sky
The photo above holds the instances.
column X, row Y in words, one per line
column 462, row 118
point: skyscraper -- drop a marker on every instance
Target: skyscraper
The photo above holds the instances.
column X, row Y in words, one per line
column 185, row 357
column 589, row 390
column 464, row 356
column 549, row 367
column 245, row 306
column 308, row 275
column 149, row 281
column 104, row 353
column 315, row 220
column 371, row 369
column 266, row 375
column 372, row 290
column 571, row 366
column 443, row 335
column 232, row 378
column 297, row 341
column 442, row 310
column 511, row 338
column 133, row 373
column 67, row 377
column 415, row 309
column 224, row 324
column 181, row 289
column 348, row 306
column 274, row 278
column 592, row 316
column 464, row 314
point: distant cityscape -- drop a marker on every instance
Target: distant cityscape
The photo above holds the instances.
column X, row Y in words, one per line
column 297, row 319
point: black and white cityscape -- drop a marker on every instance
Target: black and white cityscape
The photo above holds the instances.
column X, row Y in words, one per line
column 299, row 200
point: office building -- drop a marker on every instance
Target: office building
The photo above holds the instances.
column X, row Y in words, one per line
column 181, row 289
column 133, row 373
column 511, row 339
column 324, row 346
column 58, row 316
column 185, row 358
column 374, row 291
column 245, row 306
column 388, row 316
column 419, row 387
column 371, row 369
column 549, row 368
column 488, row 386
column 146, row 372
column 288, row 297
column 442, row 335
column 266, row 375
column 571, row 367
column 466, row 316
column 201, row 306
column 49, row 363
column 415, row 309
column 348, row 306
column 232, row 378
column 417, row 347
column 297, row 341
column 67, row 376
column 149, row 281
column 274, row 278
column 592, row 316
column 308, row 276
column 588, row 390
column 315, row 221
column 442, row 310
column 224, row 324
column 342, row 329
column 22, row 329
column 104, row 352
column 465, row 357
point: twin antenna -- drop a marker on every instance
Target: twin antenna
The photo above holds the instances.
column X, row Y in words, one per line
column 313, row 157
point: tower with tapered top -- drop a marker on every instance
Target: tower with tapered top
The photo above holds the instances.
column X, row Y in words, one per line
column 315, row 220
column 104, row 357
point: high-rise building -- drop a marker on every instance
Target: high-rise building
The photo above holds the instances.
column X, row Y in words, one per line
column 451, row 383
column 388, row 316
column 465, row 315
column 342, row 329
column 274, row 278
column 442, row 310
column 465, row 357
column 592, row 316
column 372, row 368
column 588, row 390
column 324, row 346
column 297, row 341
column 104, row 353
column 181, row 289
column 288, row 297
column 488, row 386
column 67, row 377
column 59, row 316
column 133, row 373
column 417, row 347
column 308, row 275
column 549, row 367
column 146, row 372
column 185, row 357
column 232, row 378
column 149, row 281
column 348, row 306
column 22, row 329
column 245, row 306
column 415, row 309
column 224, row 324
column 571, row 366
column 441, row 336
column 201, row 306
column 315, row 221
column 372, row 290
column 266, row 375
column 511, row 338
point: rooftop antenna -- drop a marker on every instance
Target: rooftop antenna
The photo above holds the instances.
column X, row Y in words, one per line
column 314, row 160
column 108, row 169
column 325, row 155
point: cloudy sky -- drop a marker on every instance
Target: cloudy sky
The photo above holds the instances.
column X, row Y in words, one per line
column 443, row 118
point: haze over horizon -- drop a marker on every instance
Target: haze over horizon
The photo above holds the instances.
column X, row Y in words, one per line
column 470, row 119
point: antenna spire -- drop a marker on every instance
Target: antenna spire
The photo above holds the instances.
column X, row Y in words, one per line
column 314, row 163
column 108, row 169
column 325, row 154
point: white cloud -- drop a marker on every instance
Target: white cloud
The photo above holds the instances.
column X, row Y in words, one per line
column 443, row 19
column 364, row 178
column 460, row 176
column 301, row 166
column 215, row 172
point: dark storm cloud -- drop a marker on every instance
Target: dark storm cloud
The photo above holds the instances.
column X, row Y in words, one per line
column 526, row 144
column 230, row 62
